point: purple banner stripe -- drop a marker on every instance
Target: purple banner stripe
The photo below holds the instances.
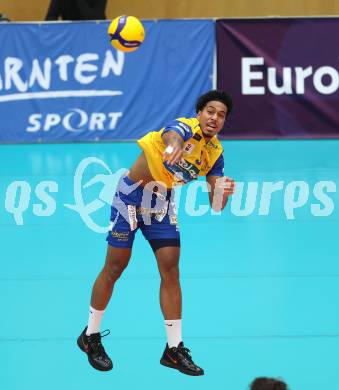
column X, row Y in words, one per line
column 283, row 75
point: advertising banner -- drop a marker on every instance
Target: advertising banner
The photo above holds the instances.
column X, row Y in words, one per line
column 65, row 82
column 283, row 76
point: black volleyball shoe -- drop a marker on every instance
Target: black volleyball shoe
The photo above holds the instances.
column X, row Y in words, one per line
column 180, row 359
column 95, row 351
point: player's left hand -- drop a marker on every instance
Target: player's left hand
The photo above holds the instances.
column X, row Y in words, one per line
column 226, row 184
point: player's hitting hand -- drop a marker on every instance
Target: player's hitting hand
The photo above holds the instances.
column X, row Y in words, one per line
column 173, row 153
column 226, row 185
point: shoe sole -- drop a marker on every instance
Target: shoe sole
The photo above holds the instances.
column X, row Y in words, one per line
column 175, row 367
column 81, row 346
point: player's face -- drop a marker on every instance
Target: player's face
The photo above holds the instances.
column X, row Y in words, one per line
column 212, row 118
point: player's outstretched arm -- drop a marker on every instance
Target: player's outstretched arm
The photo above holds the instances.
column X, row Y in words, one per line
column 220, row 188
column 174, row 147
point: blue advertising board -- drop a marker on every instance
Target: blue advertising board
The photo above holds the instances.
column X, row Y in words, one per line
column 65, row 82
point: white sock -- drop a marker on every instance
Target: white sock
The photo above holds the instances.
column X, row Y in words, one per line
column 94, row 320
column 173, row 330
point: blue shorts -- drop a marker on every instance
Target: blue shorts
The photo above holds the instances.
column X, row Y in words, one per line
column 135, row 207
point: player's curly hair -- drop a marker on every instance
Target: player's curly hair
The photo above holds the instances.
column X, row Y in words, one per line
column 219, row 96
column 263, row 383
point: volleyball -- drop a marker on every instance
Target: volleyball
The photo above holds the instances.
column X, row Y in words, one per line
column 126, row 33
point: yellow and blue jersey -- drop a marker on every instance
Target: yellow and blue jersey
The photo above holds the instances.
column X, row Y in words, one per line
column 200, row 158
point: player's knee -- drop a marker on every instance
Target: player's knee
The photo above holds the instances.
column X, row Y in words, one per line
column 170, row 274
column 116, row 261
column 113, row 271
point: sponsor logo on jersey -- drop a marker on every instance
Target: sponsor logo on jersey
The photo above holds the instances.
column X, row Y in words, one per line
column 189, row 147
